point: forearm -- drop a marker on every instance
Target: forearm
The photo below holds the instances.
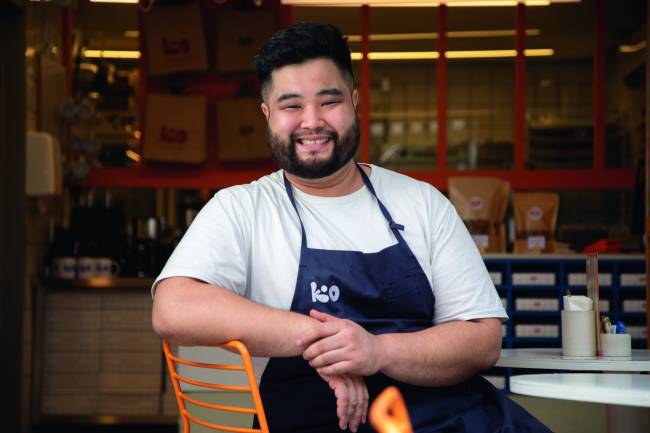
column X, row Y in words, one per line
column 441, row 355
column 190, row 312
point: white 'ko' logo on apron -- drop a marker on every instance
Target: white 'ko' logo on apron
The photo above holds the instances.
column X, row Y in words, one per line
column 324, row 294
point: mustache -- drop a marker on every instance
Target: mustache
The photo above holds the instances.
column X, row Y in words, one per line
column 297, row 135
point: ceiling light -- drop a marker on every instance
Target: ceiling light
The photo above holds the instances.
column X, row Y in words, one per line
column 632, row 48
column 112, row 54
column 424, row 3
column 115, row 1
column 432, row 55
column 131, row 34
column 451, row 34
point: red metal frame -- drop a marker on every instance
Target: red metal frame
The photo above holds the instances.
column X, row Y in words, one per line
column 599, row 85
column 364, row 83
column 520, row 89
column 210, row 177
column 441, row 157
column 214, row 175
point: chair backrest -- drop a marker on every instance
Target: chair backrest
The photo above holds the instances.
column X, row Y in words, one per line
column 182, row 397
column 388, row 412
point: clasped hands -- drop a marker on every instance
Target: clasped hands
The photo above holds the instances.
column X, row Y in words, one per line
column 342, row 352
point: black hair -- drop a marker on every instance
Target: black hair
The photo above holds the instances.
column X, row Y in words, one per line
column 301, row 42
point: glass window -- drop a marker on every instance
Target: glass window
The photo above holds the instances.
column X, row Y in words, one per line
column 403, row 98
column 480, row 83
column 559, row 87
column 624, row 77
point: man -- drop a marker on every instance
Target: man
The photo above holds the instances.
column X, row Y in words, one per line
column 342, row 278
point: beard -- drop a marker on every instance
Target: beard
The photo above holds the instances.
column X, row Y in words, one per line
column 343, row 149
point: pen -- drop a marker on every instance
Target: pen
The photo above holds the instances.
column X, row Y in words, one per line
column 620, row 327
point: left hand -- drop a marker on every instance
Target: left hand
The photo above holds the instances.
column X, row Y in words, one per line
column 340, row 346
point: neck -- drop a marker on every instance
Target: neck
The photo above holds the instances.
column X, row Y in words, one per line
column 344, row 181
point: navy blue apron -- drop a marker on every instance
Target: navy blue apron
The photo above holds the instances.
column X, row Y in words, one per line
column 384, row 292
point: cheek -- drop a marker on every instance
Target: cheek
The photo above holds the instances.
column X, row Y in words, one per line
column 281, row 123
column 341, row 120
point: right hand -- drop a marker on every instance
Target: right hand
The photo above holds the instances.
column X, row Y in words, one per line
column 351, row 399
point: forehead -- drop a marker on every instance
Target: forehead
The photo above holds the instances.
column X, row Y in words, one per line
column 307, row 77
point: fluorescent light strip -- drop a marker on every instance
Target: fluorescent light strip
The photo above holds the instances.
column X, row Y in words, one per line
column 423, row 3
column 452, row 34
column 115, row 1
column 111, row 54
column 131, row 33
column 433, row 55
column 632, row 48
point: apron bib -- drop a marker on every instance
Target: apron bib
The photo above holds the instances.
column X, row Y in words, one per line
column 385, row 291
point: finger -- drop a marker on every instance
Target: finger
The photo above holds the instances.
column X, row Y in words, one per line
column 366, row 402
column 352, row 399
column 355, row 418
column 315, row 333
column 322, row 347
column 343, row 403
column 323, row 358
column 322, row 317
column 342, row 367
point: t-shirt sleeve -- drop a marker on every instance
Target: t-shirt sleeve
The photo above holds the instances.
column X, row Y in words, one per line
column 461, row 283
column 215, row 247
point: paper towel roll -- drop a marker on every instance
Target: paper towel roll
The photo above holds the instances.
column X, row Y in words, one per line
column 578, row 333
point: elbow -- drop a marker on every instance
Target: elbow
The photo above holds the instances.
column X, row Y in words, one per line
column 163, row 316
column 491, row 347
column 493, row 350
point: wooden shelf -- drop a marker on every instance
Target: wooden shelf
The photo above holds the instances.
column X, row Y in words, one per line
column 120, row 283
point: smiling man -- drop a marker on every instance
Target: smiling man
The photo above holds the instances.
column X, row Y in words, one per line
column 341, row 278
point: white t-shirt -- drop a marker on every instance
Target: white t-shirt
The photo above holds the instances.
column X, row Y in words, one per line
column 247, row 239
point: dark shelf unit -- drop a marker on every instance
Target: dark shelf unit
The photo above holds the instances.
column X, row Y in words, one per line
column 561, row 267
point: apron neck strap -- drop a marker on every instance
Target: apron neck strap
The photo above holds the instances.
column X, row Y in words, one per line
column 395, row 227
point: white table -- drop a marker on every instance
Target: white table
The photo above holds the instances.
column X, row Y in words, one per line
column 621, row 416
column 552, row 359
column 619, row 389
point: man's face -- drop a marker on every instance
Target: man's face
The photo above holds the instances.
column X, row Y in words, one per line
column 313, row 128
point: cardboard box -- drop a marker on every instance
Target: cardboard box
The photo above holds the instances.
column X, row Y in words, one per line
column 537, row 304
column 174, row 39
column 537, row 330
column 533, row 279
column 175, row 128
column 628, row 280
column 580, row 279
column 496, row 277
column 239, row 35
column 634, row 305
column 241, row 129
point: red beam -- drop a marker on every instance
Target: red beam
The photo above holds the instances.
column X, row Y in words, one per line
column 364, row 83
column 599, row 85
column 285, row 18
column 441, row 158
column 541, row 179
column 520, row 88
column 209, row 177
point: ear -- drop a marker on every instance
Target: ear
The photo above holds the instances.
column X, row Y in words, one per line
column 266, row 111
column 355, row 98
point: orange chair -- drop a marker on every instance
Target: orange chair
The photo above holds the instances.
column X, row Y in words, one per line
column 182, row 398
column 388, row 412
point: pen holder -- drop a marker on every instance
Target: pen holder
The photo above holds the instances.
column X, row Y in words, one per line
column 578, row 333
column 616, row 344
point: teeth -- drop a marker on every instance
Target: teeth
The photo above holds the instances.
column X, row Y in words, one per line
column 314, row 142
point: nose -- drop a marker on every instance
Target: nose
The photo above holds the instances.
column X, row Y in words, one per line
column 311, row 117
